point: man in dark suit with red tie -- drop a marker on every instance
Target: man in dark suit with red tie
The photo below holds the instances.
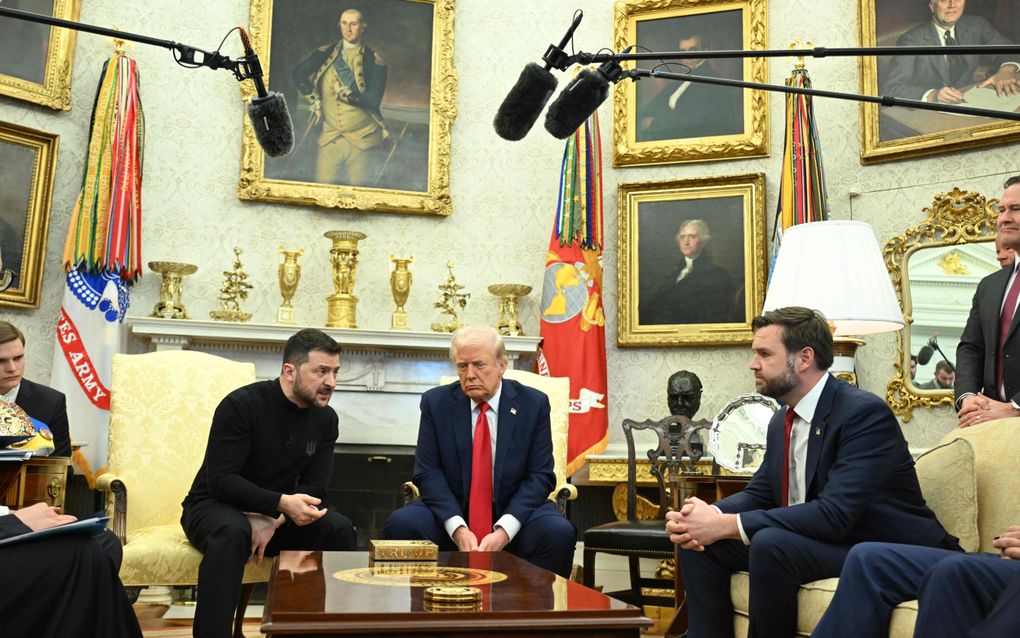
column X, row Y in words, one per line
column 988, row 357
column 836, row 472
column 484, row 463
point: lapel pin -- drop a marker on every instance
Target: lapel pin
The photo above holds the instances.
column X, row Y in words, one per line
column 513, row 410
column 818, row 431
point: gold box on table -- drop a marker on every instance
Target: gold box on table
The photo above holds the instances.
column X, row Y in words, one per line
column 403, row 550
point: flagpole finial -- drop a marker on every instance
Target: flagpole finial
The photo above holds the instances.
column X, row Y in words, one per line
column 118, row 43
column 798, row 63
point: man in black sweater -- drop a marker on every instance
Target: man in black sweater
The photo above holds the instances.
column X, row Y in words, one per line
column 259, row 490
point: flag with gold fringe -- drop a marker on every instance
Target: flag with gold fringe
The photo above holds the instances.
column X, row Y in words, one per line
column 102, row 258
column 573, row 325
column 802, row 196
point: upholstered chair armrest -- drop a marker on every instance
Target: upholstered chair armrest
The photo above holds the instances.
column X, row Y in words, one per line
column 410, row 492
column 564, row 492
column 112, row 483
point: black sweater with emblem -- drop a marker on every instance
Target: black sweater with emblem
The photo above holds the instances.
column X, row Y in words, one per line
column 261, row 445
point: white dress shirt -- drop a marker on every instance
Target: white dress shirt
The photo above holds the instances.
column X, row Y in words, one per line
column 509, row 523
column 799, row 437
column 12, row 394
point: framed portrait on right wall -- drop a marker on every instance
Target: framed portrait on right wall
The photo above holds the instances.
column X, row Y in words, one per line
column 691, row 260
column 890, row 133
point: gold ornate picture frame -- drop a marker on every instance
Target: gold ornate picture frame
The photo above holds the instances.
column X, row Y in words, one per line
column 662, row 121
column 29, row 161
column 36, row 60
column 391, row 155
column 955, row 219
column 892, row 133
column 662, row 302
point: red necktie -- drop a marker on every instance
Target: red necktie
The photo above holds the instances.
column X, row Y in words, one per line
column 790, row 416
column 1005, row 321
column 480, row 499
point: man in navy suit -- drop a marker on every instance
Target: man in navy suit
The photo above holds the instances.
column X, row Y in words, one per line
column 40, row 402
column 505, row 506
column 934, row 78
column 972, row 595
column 987, row 382
column 836, row 472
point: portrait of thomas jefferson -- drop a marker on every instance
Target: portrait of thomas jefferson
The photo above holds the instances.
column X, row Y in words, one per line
column 691, row 262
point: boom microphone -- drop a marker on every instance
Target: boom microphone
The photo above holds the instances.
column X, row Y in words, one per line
column 581, row 98
column 924, row 354
column 267, row 112
column 525, row 101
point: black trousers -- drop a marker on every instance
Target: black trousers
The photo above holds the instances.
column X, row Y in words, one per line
column 777, row 562
column 65, row 586
column 546, row 539
column 222, row 533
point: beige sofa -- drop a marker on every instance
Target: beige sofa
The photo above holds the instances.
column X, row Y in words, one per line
column 969, row 480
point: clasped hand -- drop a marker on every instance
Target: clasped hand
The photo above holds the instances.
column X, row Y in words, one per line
column 977, row 408
column 697, row 525
column 468, row 542
column 1009, row 543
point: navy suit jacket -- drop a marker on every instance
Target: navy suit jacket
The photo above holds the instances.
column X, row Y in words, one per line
column 861, row 483
column 523, row 467
column 45, row 404
column 913, row 76
column 979, row 344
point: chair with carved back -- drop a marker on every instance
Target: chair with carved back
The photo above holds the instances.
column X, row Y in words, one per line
column 161, row 406
column 640, row 537
column 558, row 391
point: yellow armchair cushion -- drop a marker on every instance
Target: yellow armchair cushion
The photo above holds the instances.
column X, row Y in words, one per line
column 949, row 486
column 162, row 555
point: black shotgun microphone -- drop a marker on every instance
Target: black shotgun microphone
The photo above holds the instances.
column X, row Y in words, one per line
column 581, row 98
column 267, row 112
column 525, row 101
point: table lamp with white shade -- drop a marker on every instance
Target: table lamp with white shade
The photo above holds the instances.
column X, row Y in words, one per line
column 835, row 267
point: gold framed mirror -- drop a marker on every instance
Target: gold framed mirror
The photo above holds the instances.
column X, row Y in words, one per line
column 935, row 267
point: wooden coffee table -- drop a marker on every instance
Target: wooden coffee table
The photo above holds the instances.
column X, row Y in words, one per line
column 337, row 593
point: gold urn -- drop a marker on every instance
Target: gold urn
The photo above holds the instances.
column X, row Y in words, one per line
column 171, row 289
column 400, row 287
column 288, row 274
column 343, row 256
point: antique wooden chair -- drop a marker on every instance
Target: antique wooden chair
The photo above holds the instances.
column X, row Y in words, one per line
column 645, row 537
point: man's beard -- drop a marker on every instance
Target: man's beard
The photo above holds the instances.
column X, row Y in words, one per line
column 781, row 385
column 304, row 392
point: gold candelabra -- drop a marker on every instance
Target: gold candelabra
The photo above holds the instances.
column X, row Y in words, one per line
column 233, row 291
column 450, row 299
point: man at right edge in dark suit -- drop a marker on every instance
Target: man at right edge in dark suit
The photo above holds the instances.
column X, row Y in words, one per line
column 836, row 472
column 988, row 357
column 972, row 595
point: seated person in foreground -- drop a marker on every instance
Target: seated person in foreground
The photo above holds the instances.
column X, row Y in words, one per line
column 959, row 595
column 259, row 490
column 836, row 472
column 63, row 585
column 484, row 463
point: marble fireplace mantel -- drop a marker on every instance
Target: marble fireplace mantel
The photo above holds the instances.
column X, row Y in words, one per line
column 382, row 372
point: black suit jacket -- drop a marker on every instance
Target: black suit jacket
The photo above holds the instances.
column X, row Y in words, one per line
column 979, row 344
column 702, row 110
column 522, row 468
column 913, row 76
column 861, row 483
column 49, row 406
column 705, row 295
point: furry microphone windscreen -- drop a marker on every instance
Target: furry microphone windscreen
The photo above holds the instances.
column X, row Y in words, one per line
column 578, row 100
column 524, row 103
column 271, row 121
